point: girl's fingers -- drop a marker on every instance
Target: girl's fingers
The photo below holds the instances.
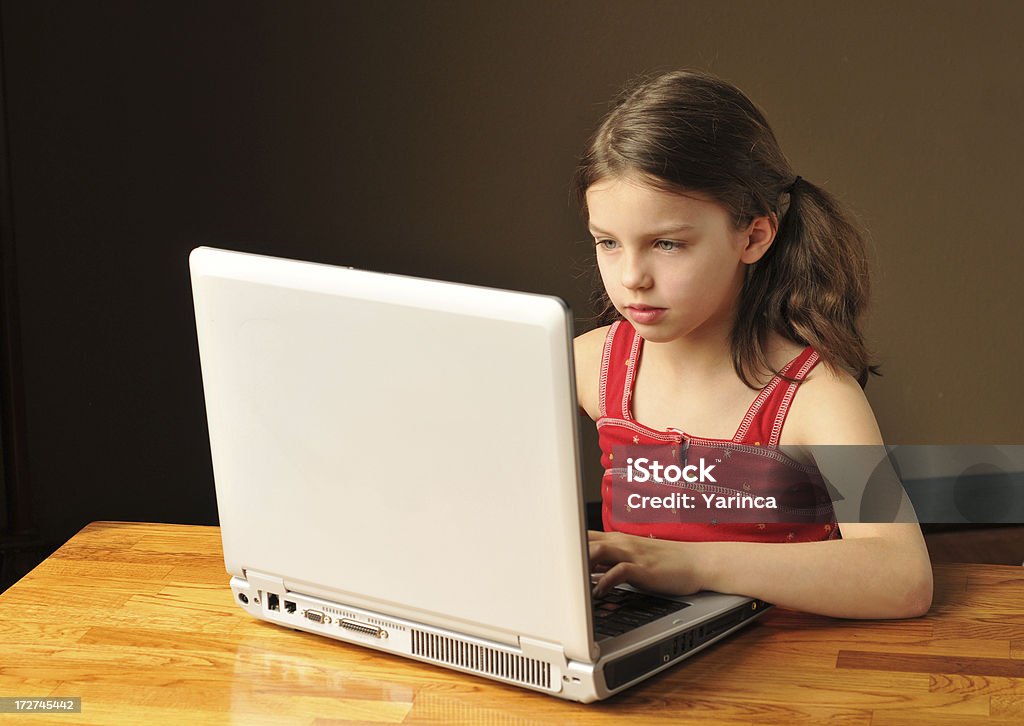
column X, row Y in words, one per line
column 612, row 555
column 605, row 553
column 615, row 576
column 608, row 547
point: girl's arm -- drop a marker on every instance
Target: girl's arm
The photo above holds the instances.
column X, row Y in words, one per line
column 875, row 571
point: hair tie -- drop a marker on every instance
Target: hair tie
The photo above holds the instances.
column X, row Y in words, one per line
column 791, row 187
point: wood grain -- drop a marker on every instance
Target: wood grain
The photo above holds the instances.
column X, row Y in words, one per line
column 138, row 620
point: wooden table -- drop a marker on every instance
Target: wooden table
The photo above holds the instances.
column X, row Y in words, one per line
column 138, row 620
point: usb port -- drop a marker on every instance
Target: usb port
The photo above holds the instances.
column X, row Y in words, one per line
column 272, row 602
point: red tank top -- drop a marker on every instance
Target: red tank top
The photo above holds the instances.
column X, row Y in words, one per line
column 757, row 439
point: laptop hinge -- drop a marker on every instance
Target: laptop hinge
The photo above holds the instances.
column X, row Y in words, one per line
column 267, row 583
column 548, row 652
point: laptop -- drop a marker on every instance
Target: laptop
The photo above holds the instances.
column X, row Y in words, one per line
column 397, row 466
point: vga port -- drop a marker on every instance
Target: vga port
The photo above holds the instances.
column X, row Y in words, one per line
column 316, row 616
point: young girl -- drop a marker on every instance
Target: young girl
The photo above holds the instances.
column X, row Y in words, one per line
column 733, row 285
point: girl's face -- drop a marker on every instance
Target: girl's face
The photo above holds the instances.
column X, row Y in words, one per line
column 672, row 265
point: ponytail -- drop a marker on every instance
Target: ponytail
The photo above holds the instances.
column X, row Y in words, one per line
column 810, row 287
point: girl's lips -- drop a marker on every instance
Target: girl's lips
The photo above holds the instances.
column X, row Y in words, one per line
column 645, row 315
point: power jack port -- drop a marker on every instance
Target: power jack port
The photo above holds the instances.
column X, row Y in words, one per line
column 243, row 598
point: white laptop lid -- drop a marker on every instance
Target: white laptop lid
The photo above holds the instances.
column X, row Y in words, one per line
column 397, row 443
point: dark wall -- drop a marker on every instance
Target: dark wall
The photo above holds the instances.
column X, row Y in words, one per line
column 437, row 139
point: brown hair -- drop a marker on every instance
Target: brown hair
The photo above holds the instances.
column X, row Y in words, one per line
column 687, row 131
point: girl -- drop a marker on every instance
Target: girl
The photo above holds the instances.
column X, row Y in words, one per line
column 728, row 279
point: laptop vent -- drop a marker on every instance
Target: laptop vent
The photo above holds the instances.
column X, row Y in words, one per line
column 489, row 661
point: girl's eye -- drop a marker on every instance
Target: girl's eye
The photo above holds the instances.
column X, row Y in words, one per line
column 668, row 245
column 607, row 244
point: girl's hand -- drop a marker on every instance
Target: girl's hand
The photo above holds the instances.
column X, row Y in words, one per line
column 649, row 564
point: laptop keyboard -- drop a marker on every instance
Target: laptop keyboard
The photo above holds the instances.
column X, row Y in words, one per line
column 622, row 610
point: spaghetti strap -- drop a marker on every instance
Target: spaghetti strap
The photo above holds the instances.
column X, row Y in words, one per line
column 617, row 370
column 755, row 408
column 797, row 370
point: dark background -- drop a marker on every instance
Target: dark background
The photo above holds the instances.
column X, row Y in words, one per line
column 437, row 139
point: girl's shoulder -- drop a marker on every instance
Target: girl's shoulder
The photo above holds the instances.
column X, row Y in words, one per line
column 830, row 408
column 591, row 343
column 587, row 350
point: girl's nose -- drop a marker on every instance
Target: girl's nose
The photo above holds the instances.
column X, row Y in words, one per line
column 635, row 275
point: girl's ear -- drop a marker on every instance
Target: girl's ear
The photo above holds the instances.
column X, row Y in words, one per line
column 759, row 237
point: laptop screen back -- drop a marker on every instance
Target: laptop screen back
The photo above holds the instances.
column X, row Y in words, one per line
column 398, row 443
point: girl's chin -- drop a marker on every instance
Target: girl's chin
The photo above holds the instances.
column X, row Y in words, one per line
column 657, row 334
column 655, row 338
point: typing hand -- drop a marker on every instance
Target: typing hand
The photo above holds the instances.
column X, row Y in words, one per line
column 653, row 565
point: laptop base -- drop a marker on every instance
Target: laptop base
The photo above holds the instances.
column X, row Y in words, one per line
column 533, row 665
